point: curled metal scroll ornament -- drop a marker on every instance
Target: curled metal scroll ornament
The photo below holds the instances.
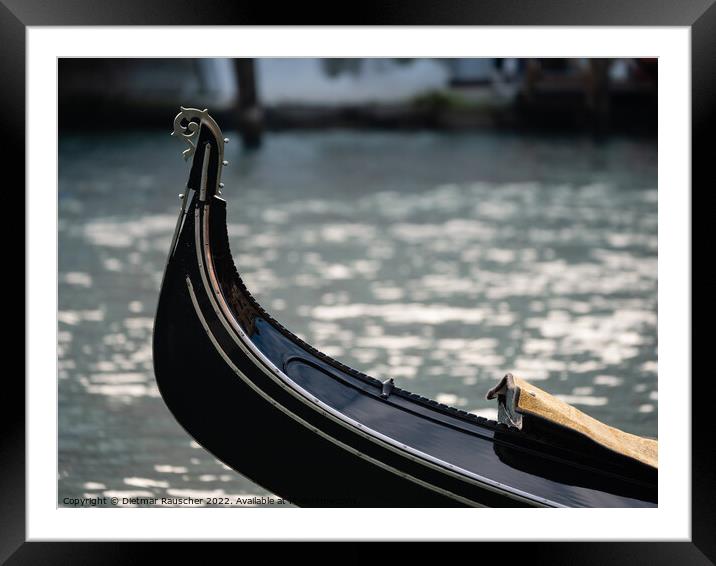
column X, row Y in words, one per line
column 186, row 127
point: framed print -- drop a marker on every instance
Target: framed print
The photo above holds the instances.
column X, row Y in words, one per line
column 487, row 210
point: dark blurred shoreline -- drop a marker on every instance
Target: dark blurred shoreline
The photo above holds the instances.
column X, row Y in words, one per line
column 565, row 96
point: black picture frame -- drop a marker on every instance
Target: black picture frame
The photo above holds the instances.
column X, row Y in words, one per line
column 698, row 15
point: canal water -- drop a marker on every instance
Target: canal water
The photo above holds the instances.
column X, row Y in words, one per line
column 443, row 261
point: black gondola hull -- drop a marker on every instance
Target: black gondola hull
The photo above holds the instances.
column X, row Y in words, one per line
column 320, row 434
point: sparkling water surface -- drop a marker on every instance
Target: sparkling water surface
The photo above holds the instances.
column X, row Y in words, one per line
column 443, row 261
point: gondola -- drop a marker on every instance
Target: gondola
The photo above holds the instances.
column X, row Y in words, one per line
column 320, row 434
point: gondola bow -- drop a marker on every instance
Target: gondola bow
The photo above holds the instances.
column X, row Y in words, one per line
column 317, row 432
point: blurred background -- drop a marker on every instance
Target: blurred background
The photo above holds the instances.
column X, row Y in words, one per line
column 439, row 221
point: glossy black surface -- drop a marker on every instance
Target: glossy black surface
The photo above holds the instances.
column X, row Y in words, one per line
column 408, row 452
